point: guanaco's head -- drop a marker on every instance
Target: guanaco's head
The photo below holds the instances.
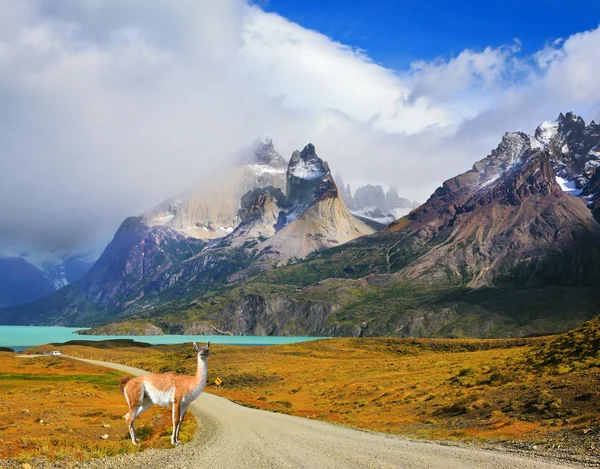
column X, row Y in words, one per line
column 202, row 351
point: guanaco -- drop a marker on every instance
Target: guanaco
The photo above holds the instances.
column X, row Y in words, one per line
column 165, row 389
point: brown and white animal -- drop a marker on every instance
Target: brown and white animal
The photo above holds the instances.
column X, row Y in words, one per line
column 165, row 389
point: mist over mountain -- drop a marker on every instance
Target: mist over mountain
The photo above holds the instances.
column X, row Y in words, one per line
column 182, row 242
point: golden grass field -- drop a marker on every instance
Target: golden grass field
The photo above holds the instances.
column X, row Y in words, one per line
column 486, row 390
column 59, row 408
column 539, row 390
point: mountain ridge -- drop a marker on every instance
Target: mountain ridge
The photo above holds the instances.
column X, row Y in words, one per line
column 503, row 249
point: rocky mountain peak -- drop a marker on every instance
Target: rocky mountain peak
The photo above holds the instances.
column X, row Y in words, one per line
column 531, row 174
column 570, row 119
column 307, row 165
column 370, row 196
column 308, row 178
column 372, row 205
column 209, row 209
column 504, row 156
column 574, row 150
column 264, row 153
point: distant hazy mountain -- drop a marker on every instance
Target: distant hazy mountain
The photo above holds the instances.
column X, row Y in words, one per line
column 21, row 282
column 372, row 203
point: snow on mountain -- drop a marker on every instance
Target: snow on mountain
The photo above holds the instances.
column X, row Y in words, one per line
column 546, row 131
column 260, row 169
column 574, row 150
column 568, row 186
column 307, row 170
column 307, row 165
column 373, row 213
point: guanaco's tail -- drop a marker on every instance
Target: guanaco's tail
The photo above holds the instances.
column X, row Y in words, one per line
column 123, row 383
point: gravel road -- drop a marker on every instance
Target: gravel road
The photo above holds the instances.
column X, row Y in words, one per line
column 231, row 436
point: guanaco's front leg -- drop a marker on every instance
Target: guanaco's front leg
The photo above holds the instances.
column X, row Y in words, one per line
column 176, row 422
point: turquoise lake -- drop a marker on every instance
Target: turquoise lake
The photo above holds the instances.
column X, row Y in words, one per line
column 22, row 337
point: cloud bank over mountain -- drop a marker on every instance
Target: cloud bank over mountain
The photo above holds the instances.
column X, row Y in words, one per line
column 110, row 107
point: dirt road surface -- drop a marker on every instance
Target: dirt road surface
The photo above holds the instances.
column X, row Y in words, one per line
column 231, row 436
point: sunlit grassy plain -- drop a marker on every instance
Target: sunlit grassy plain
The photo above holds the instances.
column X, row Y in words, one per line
column 537, row 390
column 59, row 409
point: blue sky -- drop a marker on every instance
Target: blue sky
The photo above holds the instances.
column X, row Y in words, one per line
column 394, row 33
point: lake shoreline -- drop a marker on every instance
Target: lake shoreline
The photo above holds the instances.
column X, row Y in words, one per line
column 20, row 338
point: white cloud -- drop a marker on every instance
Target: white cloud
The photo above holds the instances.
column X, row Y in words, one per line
column 109, row 107
column 310, row 71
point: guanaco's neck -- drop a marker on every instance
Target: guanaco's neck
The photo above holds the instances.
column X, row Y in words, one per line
column 202, row 371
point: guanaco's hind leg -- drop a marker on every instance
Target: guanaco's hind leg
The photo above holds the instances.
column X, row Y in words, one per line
column 137, row 404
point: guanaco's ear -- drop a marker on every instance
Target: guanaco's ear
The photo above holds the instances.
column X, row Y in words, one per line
column 196, row 347
column 208, row 344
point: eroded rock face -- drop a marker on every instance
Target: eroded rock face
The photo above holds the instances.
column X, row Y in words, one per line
column 261, row 214
column 210, row 210
column 257, row 315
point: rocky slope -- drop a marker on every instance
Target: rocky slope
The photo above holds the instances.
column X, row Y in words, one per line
column 125, row 272
column 208, row 211
column 507, row 219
